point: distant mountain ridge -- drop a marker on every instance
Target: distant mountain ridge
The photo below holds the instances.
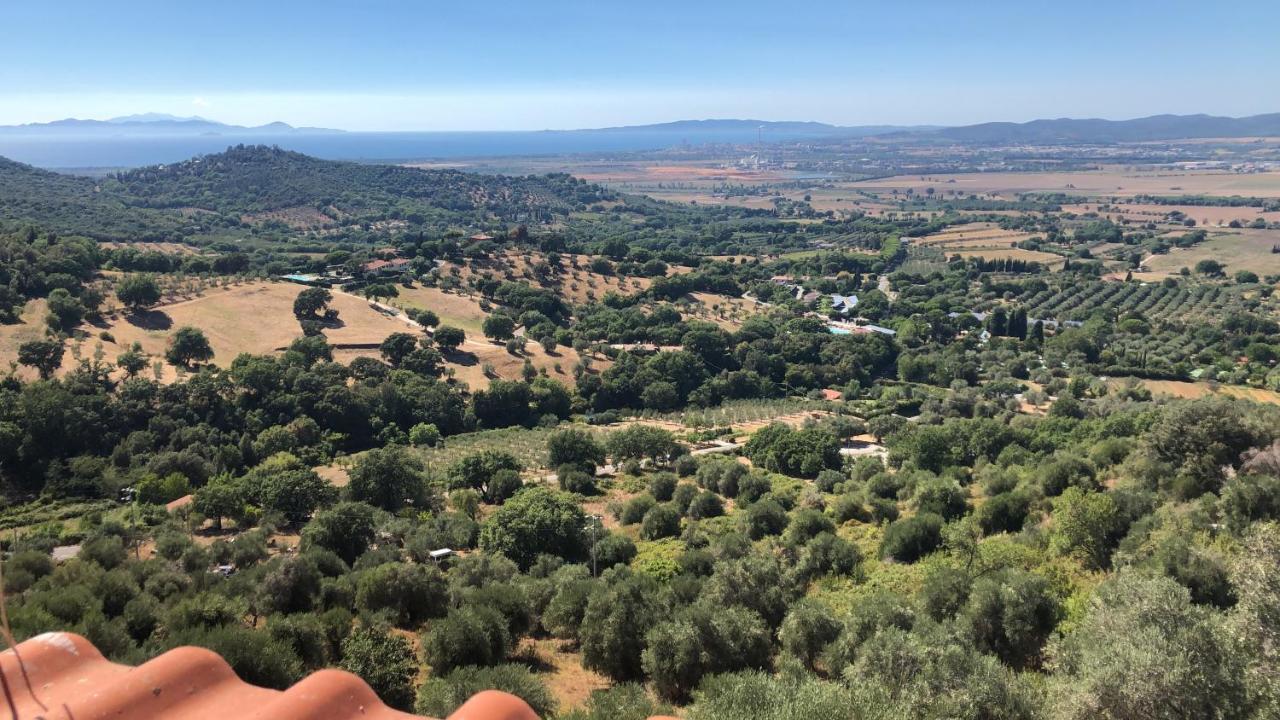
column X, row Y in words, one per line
column 1094, row 130
column 1045, row 131
column 151, row 124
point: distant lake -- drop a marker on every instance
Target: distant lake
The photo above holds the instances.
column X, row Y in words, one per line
column 88, row 152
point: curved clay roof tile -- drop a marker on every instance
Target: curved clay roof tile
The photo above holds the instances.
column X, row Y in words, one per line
column 70, row 680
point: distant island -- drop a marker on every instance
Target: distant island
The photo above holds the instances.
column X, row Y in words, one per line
column 152, row 125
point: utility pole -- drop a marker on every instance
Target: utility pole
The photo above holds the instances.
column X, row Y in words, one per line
column 593, row 524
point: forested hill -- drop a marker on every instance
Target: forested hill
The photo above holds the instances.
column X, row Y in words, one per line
column 248, row 179
column 162, row 201
column 70, row 204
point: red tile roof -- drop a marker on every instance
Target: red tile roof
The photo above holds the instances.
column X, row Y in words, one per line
column 373, row 265
column 180, row 503
column 68, row 679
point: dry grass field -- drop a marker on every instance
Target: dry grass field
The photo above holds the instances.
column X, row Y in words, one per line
column 644, row 172
column 727, row 312
column 469, row 364
column 1203, row 215
column 985, row 240
column 302, row 217
column 253, row 318
column 1117, row 180
column 1192, row 390
column 166, row 248
column 574, row 284
column 570, row 684
column 258, row 318
column 11, row 336
column 1235, row 249
column 458, row 310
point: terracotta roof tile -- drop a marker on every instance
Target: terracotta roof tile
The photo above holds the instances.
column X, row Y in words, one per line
column 72, row 681
column 180, row 503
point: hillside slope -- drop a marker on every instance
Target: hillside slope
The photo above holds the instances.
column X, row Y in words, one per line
column 76, row 205
column 1156, row 127
column 161, row 201
column 259, row 178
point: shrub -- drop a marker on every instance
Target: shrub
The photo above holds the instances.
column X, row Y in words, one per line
column 1006, row 512
column 1011, row 615
column 255, row 656
column 612, row 549
column 635, row 509
column 912, row 538
column 535, row 521
column 408, row 593
column 807, row 630
column 424, row 435
column 942, row 497
column 388, row 478
column 440, row 696
column 625, row 701
column 683, row 495
column 705, row 504
column 469, row 635
column 618, row 614
column 701, row 641
column 807, row 524
column 574, row 480
column 662, row 485
column 383, row 660
column 347, row 529
column 659, row 522
column 576, row 448
column 849, row 507
column 1057, row 476
column 765, row 518
column 827, row 480
column 502, row 485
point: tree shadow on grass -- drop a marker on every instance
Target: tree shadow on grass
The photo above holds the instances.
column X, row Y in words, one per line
column 461, row 357
column 150, row 319
column 528, row 656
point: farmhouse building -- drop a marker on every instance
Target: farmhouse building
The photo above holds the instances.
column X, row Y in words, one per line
column 843, row 304
column 383, row 268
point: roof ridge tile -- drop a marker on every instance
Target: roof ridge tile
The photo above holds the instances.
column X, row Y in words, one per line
column 71, row 680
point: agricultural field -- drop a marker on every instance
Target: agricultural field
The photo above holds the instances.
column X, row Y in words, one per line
column 743, row 416
column 255, row 317
column 222, row 313
column 1186, row 304
column 1236, row 249
column 727, row 312
column 985, row 240
column 29, row 327
column 1204, row 215
column 301, row 217
column 1191, row 390
column 528, row 445
column 575, row 282
column 454, row 308
column 1118, row 181
column 481, row 360
column 165, row 248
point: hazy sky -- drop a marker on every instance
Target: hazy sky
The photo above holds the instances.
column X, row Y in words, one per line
column 533, row 64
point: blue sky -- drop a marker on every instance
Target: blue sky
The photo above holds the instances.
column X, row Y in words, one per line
column 448, row 65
